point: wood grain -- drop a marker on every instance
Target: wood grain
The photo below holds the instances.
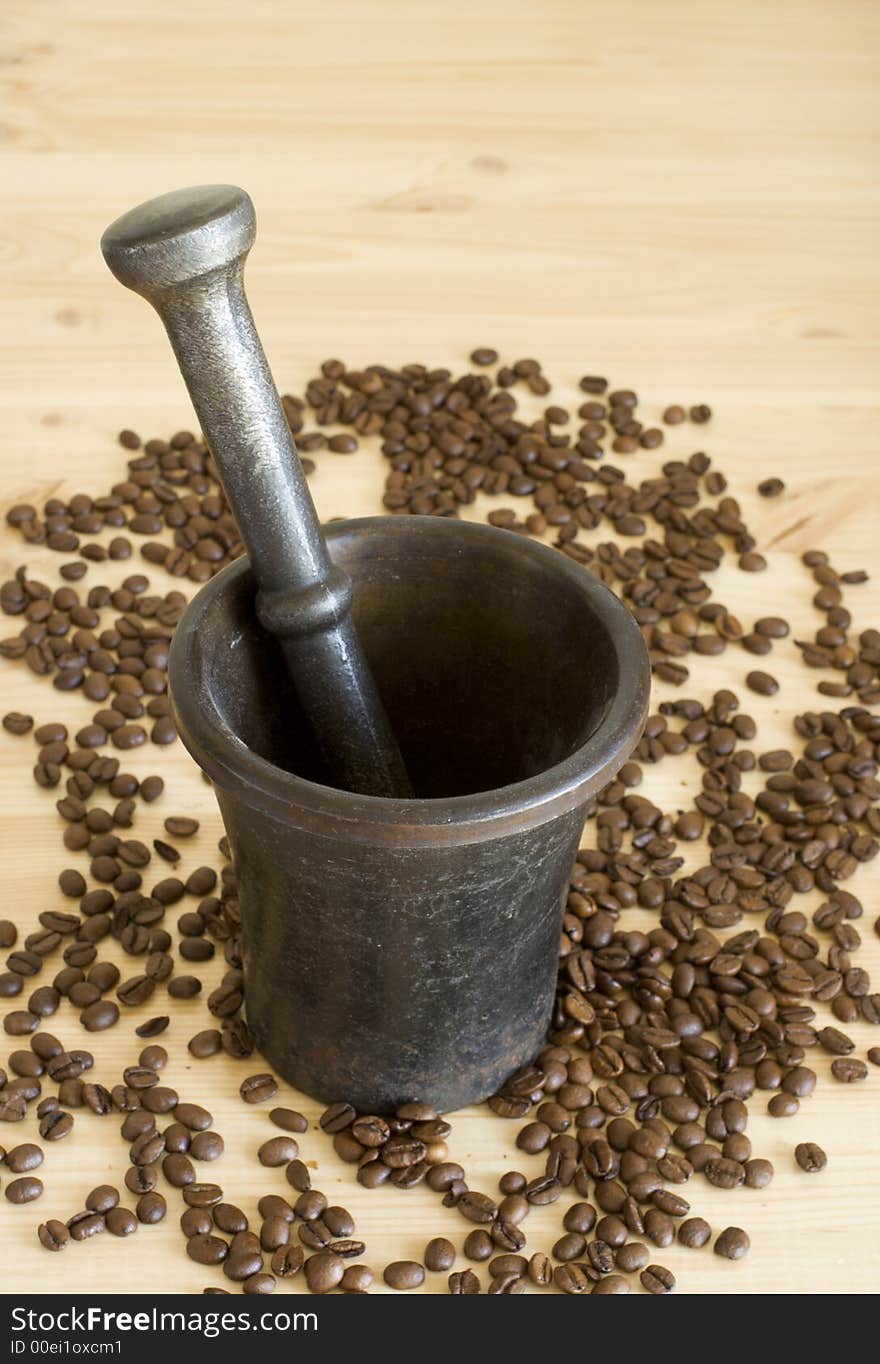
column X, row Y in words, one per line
column 682, row 196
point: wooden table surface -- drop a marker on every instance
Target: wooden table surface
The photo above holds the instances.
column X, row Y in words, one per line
column 679, row 195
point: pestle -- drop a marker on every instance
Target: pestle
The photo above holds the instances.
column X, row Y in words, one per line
column 184, row 252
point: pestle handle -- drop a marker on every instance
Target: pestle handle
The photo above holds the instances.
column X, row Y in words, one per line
column 184, row 253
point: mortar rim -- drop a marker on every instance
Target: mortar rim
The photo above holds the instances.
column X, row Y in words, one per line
column 436, row 821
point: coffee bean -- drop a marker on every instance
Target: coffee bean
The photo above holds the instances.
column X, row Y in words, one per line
column 759, row 1173
column 23, row 1190
column 178, row 1169
column 289, row 1120
column 150, row 1208
column 695, row 1232
column 257, row 1088
column 477, row 1207
column 56, row 1125
column 193, row 1116
column 205, row 1044
column 478, row 1245
column 464, row 1281
column 202, row 1195
column 288, row 1260
column 762, row 683
column 571, row 1278
column 337, row 1117
column 356, row 1279
column 23, row 1158
column 657, row 1279
column 181, row 826
column 240, row 1264
column 151, row 788
column 278, row 1151
column 404, row 1274
column 732, row 1243
column 17, row 723
column 810, row 1157
column 84, row 1225
column 206, row 1146
column 120, row 1222
column 102, row 1199
column 323, row 1271
column 207, row 1249
column 440, row 1253
column 53, row 1235
column 848, row 1070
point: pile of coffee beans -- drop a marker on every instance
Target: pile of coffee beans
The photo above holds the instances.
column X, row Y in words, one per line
column 661, row 1039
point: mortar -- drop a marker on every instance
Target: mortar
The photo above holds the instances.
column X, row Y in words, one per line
column 407, row 949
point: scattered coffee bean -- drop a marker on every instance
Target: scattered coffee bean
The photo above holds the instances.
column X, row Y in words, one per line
column 288, row 1120
column 404, row 1274
column 847, row 1070
column 23, row 1190
column 53, row 1235
column 732, row 1243
column 657, row 1279
column 256, row 1089
column 810, row 1157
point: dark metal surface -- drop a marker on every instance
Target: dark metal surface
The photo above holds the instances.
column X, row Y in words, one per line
column 185, row 252
column 407, row 949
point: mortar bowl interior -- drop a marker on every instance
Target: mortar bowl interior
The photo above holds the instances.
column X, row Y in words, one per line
column 500, row 662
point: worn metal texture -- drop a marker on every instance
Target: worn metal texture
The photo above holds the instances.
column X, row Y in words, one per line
column 185, row 253
column 407, row 949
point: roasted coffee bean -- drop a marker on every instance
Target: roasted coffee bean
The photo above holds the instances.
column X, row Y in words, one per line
column 193, row 1116
column 732, row 1243
column 150, row 1208
column 240, row 1264
column 206, row 1146
column 289, row 1120
column 53, row 1235
column 337, row 1117
column 464, row 1281
column 478, row 1245
column 23, row 1158
column 202, row 1195
column 404, row 1274
column 848, row 1070
column 278, row 1151
column 571, row 1278
column 55, row 1125
column 659, row 1227
column 631, row 1257
column 477, row 1207
column 759, row 1173
column 205, row 1044
column 228, row 1218
column 102, row 1199
column 141, row 1179
column 324, row 1271
column 120, row 1222
column 207, row 1249
column 23, row 1190
column 288, row 1260
column 657, row 1279
column 810, row 1157
column 84, row 1225
column 695, row 1232
column 439, row 1253
column 297, row 1175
